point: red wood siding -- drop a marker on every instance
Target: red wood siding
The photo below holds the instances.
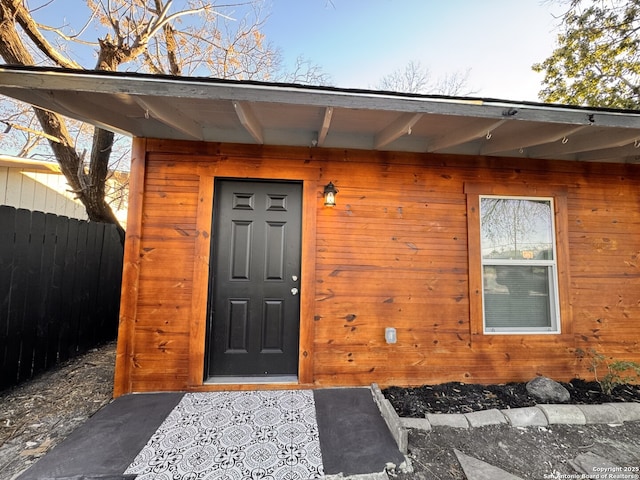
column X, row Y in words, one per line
column 392, row 253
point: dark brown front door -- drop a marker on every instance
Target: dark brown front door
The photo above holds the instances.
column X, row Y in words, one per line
column 254, row 302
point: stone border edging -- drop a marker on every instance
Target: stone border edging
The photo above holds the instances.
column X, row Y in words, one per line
column 391, row 418
column 539, row 415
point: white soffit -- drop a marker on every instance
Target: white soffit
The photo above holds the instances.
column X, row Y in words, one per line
column 214, row 110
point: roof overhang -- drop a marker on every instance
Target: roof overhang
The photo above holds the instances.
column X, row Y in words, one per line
column 29, row 164
column 213, row 110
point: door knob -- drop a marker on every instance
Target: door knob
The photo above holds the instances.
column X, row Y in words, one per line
column 294, row 291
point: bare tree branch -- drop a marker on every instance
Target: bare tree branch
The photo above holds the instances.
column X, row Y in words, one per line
column 415, row 78
column 146, row 35
column 22, row 16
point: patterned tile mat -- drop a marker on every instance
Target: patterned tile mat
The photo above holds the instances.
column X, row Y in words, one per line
column 266, row 435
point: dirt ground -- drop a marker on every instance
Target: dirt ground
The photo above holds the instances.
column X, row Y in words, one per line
column 40, row 413
column 529, row 453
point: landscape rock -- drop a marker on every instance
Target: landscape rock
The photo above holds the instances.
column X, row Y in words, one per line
column 547, row 390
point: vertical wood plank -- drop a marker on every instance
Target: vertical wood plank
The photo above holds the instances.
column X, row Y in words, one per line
column 310, row 203
column 40, row 192
column 27, row 192
column 19, row 290
column 79, row 297
column 110, row 281
column 14, row 187
column 7, row 246
column 40, row 361
column 4, row 180
column 475, row 267
column 34, row 295
column 66, row 345
column 56, row 301
column 201, row 261
column 130, row 270
column 563, row 262
column 90, row 317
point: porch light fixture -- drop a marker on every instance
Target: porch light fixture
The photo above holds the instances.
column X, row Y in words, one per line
column 330, row 195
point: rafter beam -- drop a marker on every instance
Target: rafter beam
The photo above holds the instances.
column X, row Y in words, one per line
column 463, row 135
column 629, row 153
column 526, row 140
column 599, row 140
column 249, row 121
column 163, row 112
column 93, row 114
column 326, row 123
column 396, row 129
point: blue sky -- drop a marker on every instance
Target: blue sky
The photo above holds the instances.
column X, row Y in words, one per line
column 359, row 41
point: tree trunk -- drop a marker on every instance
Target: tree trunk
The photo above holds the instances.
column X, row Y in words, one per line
column 89, row 187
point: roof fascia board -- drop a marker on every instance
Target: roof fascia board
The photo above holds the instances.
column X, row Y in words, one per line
column 297, row 95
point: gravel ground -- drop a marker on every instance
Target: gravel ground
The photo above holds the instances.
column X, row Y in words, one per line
column 38, row 414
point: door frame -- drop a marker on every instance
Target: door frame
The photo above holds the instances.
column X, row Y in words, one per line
column 246, row 168
column 290, row 306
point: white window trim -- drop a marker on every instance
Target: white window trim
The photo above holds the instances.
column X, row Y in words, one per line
column 554, row 329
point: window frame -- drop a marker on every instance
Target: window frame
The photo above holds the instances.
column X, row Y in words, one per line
column 558, row 194
column 549, row 265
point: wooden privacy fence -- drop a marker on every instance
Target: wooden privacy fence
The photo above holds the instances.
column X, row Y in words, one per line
column 59, row 290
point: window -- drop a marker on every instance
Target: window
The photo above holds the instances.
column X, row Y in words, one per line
column 519, row 268
column 518, row 259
